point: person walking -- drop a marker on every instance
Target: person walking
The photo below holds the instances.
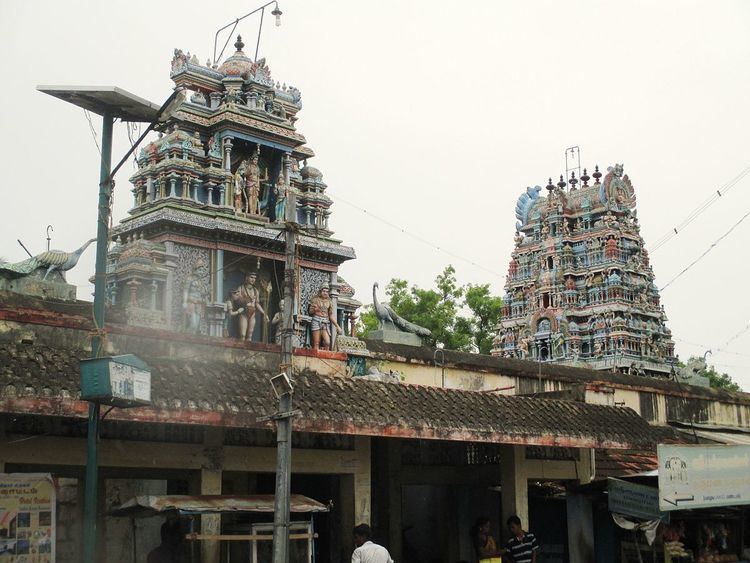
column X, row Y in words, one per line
column 367, row 551
column 522, row 545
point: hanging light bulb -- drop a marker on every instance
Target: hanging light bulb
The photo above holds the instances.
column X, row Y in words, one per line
column 276, row 12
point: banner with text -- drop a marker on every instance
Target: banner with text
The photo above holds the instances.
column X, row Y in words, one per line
column 27, row 518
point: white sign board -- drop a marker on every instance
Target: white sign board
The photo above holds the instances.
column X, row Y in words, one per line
column 129, row 382
column 702, row 476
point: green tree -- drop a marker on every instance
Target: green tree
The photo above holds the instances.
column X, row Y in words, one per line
column 719, row 380
column 439, row 310
column 486, row 311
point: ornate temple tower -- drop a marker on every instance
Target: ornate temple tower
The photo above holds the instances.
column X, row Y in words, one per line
column 202, row 250
column 580, row 288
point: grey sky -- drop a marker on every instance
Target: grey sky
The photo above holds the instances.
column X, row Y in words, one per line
column 432, row 115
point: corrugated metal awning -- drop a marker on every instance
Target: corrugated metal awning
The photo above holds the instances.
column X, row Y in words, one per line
column 151, row 505
column 731, row 435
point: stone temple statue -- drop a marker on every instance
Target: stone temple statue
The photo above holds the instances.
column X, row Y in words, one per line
column 390, row 321
column 50, row 260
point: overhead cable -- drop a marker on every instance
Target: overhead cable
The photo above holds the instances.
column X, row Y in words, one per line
column 709, row 249
column 723, row 190
column 420, row 239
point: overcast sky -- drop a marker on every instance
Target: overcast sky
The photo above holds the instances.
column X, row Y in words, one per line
column 433, row 116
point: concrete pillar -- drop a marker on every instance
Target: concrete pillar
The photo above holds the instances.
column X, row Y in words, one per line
column 395, row 525
column 3, row 451
column 514, row 484
column 355, row 495
column 580, row 529
column 346, row 492
column 362, row 480
column 586, row 465
column 211, row 485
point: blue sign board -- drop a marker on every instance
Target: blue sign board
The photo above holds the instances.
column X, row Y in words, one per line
column 632, row 499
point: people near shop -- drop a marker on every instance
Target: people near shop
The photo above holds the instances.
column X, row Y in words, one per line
column 522, row 546
column 170, row 548
column 484, row 544
column 367, row 551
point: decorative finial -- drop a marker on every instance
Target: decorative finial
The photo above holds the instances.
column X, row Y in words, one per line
column 239, row 44
column 573, row 180
column 550, row 186
column 561, row 184
column 585, row 178
column 596, row 174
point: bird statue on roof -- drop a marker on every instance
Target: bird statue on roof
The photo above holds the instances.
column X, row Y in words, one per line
column 50, row 260
column 389, row 319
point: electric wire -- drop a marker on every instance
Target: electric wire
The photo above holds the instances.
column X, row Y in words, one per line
column 709, row 249
column 723, row 190
column 419, row 238
column 735, row 337
column 708, row 348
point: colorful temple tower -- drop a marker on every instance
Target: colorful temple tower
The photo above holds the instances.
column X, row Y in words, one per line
column 580, row 289
column 203, row 248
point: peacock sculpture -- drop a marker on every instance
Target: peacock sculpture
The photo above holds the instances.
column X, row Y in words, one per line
column 50, row 260
column 389, row 320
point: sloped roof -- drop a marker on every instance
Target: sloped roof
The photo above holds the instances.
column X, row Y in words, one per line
column 36, row 378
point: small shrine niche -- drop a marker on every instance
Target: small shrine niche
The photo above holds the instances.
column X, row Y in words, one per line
column 251, row 294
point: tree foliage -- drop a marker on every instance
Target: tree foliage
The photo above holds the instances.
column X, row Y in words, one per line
column 460, row 317
column 719, row 380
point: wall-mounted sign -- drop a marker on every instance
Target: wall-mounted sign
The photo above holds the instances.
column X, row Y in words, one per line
column 702, row 476
column 27, row 517
column 121, row 381
column 632, row 499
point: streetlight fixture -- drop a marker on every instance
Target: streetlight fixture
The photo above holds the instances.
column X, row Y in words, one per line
column 111, row 103
column 262, row 9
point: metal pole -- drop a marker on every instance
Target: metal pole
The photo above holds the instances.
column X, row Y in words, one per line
column 284, row 422
column 102, row 236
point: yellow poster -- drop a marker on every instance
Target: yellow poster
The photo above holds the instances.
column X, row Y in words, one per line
column 27, row 518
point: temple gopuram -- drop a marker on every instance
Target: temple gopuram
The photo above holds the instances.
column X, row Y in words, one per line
column 203, row 248
column 580, row 289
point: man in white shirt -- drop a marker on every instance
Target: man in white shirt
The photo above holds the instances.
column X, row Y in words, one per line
column 366, row 551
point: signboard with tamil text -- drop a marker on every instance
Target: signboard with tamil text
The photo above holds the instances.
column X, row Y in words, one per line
column 632, row 499
column 701, row 476
column 27, row 518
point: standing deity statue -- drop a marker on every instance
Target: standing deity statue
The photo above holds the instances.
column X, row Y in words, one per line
column 247, row 298
column 280, row 190
column 252, row 184
column 523, row 347
column 323, row 316
column 238, row 184
column 194, row 300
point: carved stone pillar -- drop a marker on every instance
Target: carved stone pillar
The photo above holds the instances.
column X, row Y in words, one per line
column 334, row 293
column 150, row 189
column 172, row 185
column 185, row 187
column 228, row 154
column 210, row 200
column 133, row 287
column 222, row 190
column 197, row 190
column 154, row 292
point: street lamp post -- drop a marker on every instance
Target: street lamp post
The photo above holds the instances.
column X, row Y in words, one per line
column 111, row 103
